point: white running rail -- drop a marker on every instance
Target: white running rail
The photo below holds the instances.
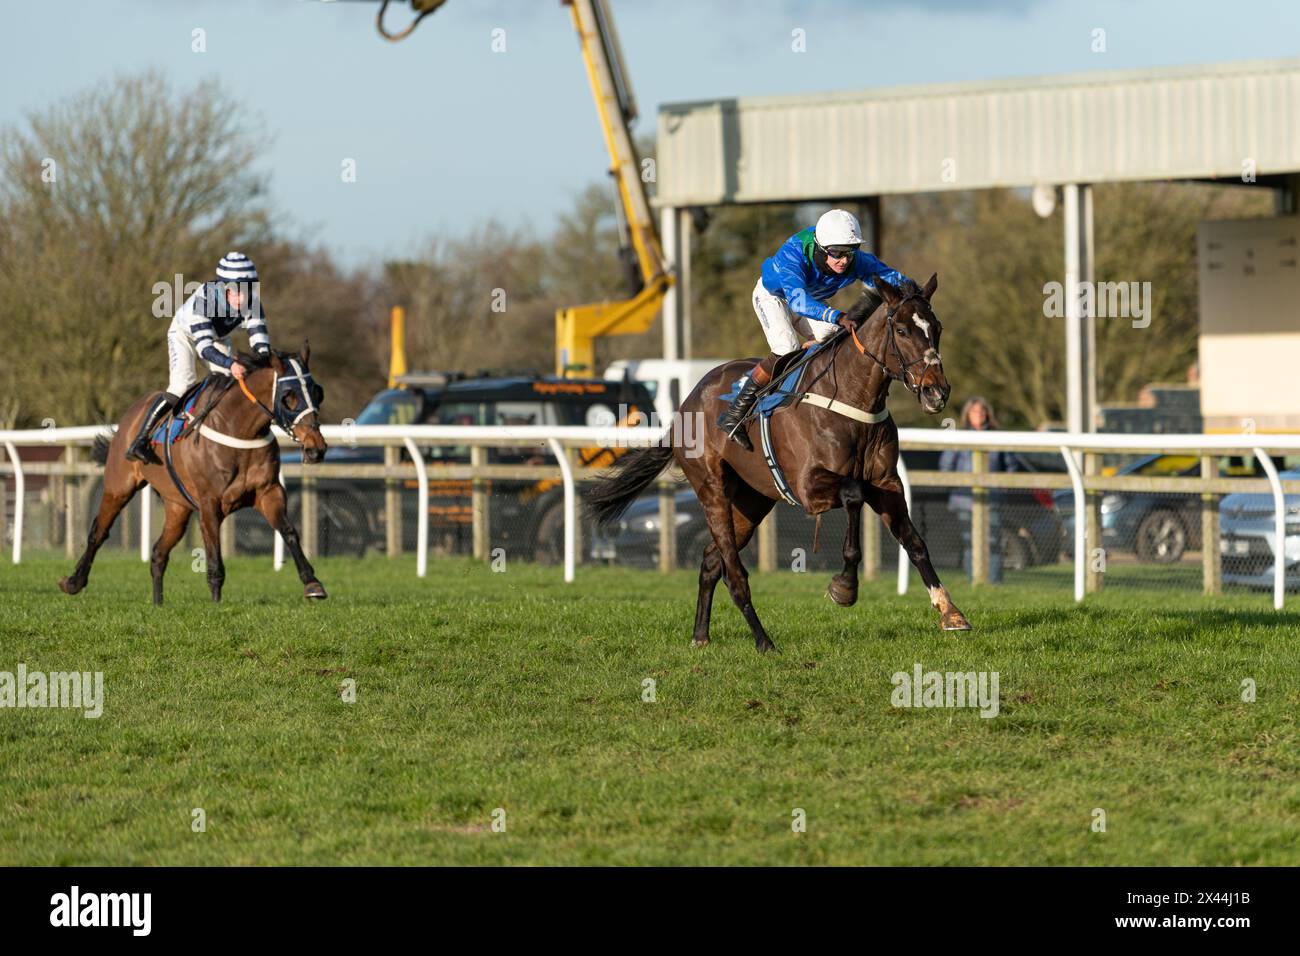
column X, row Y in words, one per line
column 559, row 438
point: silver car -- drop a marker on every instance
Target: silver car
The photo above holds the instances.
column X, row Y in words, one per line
column 1248, row 539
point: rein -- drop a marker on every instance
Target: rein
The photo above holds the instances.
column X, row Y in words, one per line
column 197, row 425
column 243, row 387
column 833, row 350
column 892, row 345
column 300, row 376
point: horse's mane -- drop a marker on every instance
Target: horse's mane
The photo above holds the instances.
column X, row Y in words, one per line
column 867, row 303
column 861, row 310
column 261, row 360
column 221, row 384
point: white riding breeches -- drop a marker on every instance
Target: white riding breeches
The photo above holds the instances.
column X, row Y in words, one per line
column 183, row 360
column 782, row 326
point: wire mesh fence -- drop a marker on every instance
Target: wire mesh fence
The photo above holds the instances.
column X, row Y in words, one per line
column 1175, row 521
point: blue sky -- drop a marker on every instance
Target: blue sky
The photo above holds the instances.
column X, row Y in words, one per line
column 447, row 134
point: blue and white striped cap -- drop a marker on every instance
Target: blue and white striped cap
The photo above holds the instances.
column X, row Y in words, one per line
column 236, row 267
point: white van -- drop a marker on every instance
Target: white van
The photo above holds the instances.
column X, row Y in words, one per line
column 669, row 381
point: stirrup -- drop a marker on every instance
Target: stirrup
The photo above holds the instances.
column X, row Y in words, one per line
column 141, row 447
column 141, row 450
column 735, row 429
column 740, row 436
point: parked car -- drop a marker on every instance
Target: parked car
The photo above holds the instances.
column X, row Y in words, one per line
column 634, row 541
column 526, row 516
column 1158, row 527
column 669, row 381
column 1031, row 533
column 1031, row 529
column 1248, row 538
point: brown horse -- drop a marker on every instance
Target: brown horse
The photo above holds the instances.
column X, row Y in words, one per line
column 231, row 463
column 844, row 455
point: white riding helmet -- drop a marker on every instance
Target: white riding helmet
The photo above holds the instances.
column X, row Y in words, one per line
column 839, row 227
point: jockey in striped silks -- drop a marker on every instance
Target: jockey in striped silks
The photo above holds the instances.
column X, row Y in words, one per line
column 200, row 331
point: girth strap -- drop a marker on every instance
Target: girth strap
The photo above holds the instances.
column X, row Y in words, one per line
column 848, row 411
column 171, row 470
column 230, row 442
column 769, row 453
column 769, row 456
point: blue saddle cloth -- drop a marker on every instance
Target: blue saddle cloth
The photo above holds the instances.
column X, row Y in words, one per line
column 786, row 390
column 175, row 427
column 786, row 387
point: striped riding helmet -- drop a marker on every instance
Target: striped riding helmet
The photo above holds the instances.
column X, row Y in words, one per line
column 236, row 267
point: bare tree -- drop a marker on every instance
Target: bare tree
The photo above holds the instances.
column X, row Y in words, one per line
column 103, row 197
column 476, row 302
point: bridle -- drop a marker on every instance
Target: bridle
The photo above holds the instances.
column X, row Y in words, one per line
column 891, row 345
column 282, row 385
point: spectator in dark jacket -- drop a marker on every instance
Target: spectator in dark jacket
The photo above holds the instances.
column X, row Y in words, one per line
column 977, row 414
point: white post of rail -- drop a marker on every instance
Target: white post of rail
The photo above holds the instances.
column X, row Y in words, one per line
column 146, row 520
column 18, row 500
column 277, row 558
column 1080, row 520
column 668, row 225
column 1080, row 324
column 570, row 511
column 422, row 519
column 904, row 562
column 1279, row 528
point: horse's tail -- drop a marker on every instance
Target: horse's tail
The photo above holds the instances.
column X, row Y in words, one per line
column 100, row 450
column 629, row 476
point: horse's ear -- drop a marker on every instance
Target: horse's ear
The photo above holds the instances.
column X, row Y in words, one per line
column 887, row 292
column 277, row 363
column 305, row 354
column 931, row 286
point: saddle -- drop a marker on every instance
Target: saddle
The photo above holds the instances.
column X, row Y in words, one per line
column 172, row 428
column 787, row 376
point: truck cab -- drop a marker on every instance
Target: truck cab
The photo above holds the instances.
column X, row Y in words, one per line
column 526, row 516
column 668, row 381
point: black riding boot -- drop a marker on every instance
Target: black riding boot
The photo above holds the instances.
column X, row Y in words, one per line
column 141, row 450
column 732, row 420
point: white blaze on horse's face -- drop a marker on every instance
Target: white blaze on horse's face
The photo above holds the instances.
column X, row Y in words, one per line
column 931, row 354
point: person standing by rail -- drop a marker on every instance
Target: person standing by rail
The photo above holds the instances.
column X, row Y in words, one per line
column 977, row 415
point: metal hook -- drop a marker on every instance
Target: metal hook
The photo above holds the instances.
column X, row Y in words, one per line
column 394, row 37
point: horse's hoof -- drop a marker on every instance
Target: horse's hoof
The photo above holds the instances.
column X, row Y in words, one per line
column 68, row 586
column 700, row 642
column 314, row 590
column 845, row 595
column 765, row 647
column 954, row 620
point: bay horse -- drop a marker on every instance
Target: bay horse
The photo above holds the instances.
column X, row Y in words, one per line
column 844, row 455
column 226, row 461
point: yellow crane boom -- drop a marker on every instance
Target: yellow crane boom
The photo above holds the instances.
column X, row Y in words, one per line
column 577, row 327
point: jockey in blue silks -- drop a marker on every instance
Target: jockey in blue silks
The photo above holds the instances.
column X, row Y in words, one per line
column 810, row 267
